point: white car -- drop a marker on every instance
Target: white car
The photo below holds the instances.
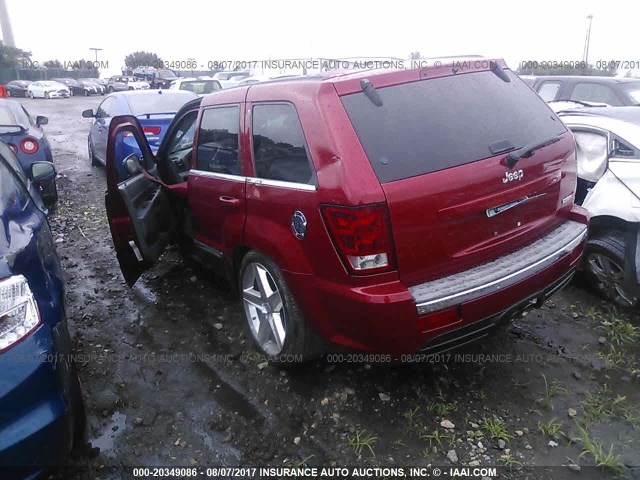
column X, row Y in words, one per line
column 200, row 85
column 48, row 89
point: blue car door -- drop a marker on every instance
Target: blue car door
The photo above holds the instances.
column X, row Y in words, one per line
column 100, row 128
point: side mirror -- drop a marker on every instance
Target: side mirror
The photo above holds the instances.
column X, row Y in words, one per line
column 88, row 113
column 132, row 164
column 44, row 178
column 40, row 120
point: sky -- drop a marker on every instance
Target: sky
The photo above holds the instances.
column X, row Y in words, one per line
column 282, row 29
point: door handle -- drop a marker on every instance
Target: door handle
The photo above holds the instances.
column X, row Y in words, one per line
column 229, row 200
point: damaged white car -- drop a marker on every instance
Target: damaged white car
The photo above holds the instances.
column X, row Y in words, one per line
column 608, row 154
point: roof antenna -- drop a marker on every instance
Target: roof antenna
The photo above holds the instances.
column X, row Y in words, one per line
column 499, row 72
column 370, row 91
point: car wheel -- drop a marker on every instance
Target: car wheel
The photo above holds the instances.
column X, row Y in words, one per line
column 46, row 94
column 276, row 325
column 86, row 93
column 8, row 93
column 110, row 90
column 92, row 157
column 604, row 264
column 30, row 95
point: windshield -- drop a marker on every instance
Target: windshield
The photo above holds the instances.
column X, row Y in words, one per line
column 632, row 91
column 166, row 74
column 153, row 102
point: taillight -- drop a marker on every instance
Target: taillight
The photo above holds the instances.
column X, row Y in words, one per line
column 151, row 130
column 18, row 311
column 29, row 146
column 13, row 148
column 362, row 236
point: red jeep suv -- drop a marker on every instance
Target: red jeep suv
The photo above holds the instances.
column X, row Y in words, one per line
column 382, row 211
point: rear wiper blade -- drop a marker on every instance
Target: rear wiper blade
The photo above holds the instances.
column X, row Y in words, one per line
column 525, row 152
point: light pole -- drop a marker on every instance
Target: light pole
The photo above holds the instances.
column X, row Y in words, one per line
column 96, row 50
column 5, row 22
column 585, row 55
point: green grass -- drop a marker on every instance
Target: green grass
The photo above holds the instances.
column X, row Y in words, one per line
column 361, row 440
column 495, row 429
column 435, row 436
column 551, row 428
column 605, row 459
column 509, row 460
column 551, row 390
column 619, row 331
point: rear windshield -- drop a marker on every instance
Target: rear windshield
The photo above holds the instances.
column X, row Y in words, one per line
column 200, row 86
column 434, row 124
column 158, row 103
column 6, row 116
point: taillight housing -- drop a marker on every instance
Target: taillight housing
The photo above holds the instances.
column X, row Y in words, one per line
column 18, row 311
column 151, row 130
column 29, row 145
column 362, row 237
column 146, row 130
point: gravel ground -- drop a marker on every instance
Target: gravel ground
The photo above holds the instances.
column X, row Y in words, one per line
column 169, row 377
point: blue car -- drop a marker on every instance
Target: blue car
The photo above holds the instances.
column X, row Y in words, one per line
column 154, row 108
column 41, row 408
column 23, row 134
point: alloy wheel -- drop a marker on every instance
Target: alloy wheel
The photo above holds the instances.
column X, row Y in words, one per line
column 264, row 308
column 610, row 278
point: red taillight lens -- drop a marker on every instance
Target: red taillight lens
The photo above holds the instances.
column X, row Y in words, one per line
column 362, row 236
column 151, row 130
column 13, row 148
column 29, row 145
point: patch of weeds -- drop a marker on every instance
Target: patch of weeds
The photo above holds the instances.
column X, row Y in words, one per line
column 551, row 390
column 300, row 463
column 480, row 395
column 411, row 415
column 518, row 384
column 509, row 460
column 254, row 357
column 619, row 330
column 617, row 359
column 603, row 405
column 435, row 436
column 551, row 428
column 443, row 409
column 495, row 429
column 593, row 315
column 362, row 440
column 607, row 460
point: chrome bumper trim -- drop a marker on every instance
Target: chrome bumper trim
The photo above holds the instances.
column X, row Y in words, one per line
column 503, row 272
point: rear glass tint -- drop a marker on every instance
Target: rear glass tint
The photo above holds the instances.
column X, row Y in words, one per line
column 434, row 124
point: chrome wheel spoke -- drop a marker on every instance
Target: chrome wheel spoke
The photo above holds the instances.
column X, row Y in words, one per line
column 264, row 308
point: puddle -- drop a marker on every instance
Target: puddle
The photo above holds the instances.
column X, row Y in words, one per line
column 106, row 441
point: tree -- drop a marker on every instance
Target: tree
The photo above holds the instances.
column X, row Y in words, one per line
column 12, row 57
column 52, row 64
column 415, row 56
column 142, row 59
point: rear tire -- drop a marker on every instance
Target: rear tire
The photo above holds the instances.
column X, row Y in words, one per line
column 604, row 267
column 277, row 327
column 110, row 90
column 46, row 95
column 86, row 93
column 30, row 95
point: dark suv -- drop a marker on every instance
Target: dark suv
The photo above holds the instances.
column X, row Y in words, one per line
column 613, row 91
column 381, row 211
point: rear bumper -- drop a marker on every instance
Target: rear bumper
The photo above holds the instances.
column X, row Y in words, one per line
column 392, row 318
column 503, row 272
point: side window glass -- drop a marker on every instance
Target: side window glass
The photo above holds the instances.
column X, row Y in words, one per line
column 106, row 108
column 218, row 141
column 593, row 92
column 279, row 151
column 549, row 90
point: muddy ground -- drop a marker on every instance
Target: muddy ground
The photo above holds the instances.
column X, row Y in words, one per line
column 169, row 377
